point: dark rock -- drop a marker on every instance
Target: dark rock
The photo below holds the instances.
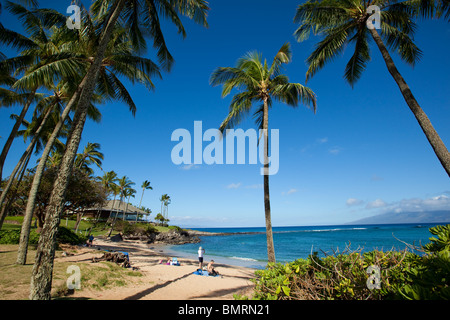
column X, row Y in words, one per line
column 117, row 238
column 176, row 237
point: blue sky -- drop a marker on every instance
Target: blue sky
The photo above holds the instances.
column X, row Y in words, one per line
column 361, row 154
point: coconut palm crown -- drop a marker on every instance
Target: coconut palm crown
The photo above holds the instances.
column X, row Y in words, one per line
column 347, row 22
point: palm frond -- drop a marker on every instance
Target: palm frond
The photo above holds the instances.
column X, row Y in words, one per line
column 327, row 49
column 359, row 59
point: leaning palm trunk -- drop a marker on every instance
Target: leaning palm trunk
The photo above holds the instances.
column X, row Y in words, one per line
column 19, row 168
column 425, row 123
column 21, row 164
column 14, row 130
column 31, row 201
column 41, row 278
column 269, row 233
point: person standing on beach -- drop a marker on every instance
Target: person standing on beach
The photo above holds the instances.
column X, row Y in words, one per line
column 201, row 251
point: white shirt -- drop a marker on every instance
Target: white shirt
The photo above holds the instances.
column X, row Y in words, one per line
column 200, row 253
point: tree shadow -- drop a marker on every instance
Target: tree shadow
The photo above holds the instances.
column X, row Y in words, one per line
column 148, row 291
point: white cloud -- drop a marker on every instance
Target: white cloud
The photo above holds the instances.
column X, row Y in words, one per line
column 440, row 202
column 255, row 186
column 189, row 167
column 335, row 150
column 378, row 203
column 322, row 140
column 233, row 185
column 290, row 191
column 435, row 203
column 354, row 202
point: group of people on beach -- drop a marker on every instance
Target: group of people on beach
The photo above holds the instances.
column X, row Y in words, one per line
column 209, row 268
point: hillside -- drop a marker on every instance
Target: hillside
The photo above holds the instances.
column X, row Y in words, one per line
column 407, row 217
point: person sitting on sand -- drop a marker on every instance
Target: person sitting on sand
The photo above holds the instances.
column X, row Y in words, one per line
column 167, row 263
column 211, row 270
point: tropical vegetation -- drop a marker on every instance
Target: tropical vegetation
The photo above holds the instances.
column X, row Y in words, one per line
column 419, row 275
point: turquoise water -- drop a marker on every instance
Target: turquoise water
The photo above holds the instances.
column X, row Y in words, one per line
column 291, row 243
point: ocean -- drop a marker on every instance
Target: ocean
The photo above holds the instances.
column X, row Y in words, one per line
column 247, row 246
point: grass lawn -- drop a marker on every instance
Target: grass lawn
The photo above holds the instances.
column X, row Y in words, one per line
column 15, row 279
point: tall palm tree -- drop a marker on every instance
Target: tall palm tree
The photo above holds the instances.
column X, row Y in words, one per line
column 124, row 184
column 145, row 186
column 345, row 22
column 108, row 180
column 164, row 198
column 261, row 84
column 167, row 201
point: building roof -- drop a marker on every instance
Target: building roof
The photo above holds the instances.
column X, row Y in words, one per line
column 120, row 206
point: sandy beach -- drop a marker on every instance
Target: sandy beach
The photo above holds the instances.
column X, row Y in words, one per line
column 164, row 282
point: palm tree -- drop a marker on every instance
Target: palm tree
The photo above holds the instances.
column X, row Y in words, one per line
column 90, row 155
column 130, row 192
column 344, row 22
column 108, row 180
column 145, row 186
column 259, row 83
column 165, row 201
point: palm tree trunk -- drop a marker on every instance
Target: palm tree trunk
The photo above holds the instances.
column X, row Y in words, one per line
column 14, row 130
column 140, row 203
column 41, row 278
column 113, row 220
column 31, row 201
column 269, row 234
column 433, row 138
column 20, row 167
column 26, row 155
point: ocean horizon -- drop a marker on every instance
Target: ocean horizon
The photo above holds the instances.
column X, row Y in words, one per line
column 246, row 246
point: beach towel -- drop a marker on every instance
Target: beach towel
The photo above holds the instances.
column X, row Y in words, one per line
column 199, row 272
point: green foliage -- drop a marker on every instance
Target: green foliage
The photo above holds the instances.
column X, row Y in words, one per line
column 176, row 228
column 66, row 235
column 13, row 237
column 402, row 275
column 135, row 228
column 431, row 278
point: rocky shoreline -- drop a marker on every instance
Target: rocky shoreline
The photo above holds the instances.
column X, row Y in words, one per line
column 173, row 237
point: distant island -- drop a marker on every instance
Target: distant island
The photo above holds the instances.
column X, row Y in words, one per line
column 407, row 217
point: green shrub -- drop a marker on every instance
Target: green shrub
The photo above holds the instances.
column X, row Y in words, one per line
column 13, row 237
column 176, row 228
column 401, row 274
column 65, row 235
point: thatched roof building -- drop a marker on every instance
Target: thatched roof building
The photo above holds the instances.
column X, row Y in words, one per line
column 111, row 208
